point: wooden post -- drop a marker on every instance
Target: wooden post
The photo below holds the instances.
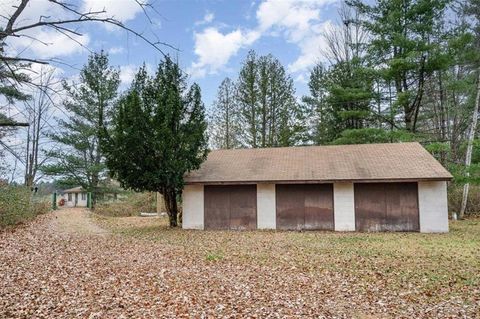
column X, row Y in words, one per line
column 54, row 200
column 89, row 200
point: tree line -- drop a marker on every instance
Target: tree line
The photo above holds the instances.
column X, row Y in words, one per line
column 395, row 70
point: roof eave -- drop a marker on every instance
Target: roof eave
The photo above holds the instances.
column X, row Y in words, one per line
column 377, row 180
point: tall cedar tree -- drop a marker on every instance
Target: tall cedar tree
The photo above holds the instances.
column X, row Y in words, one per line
column 224, row 129
column 89, row 108
column 158, row 134
column 268, row 110
column 401, row 47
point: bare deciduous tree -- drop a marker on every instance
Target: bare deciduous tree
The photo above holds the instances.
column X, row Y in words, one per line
column 12, row 66
column 39, row 112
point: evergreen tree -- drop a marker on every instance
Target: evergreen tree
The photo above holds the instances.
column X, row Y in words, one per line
column 89, row 108
column 267, row 106
column 341, row 99
column 158, row 134
column 320, row 119
column 285, row 117
column 223, row 125
column 401, row 47
column 247, row 99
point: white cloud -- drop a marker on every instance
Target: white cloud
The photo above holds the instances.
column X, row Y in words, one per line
column 121, row 10
column 311, row 47
column 127, row 74
column 45, row 43
column 298, row 21
column 214, row 49
column 116, row 50
column 208, row 18
column 33, row 11
column 294, row 16
column 301, row 78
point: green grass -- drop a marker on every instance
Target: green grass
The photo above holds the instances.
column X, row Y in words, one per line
column 213, row 256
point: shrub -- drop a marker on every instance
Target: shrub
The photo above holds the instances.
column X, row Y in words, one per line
column 18, row 206
column 455, row 193
column 131, row 205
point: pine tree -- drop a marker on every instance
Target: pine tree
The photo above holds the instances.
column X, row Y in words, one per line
column 401, row 48
column 320, row 120
column 223, row 125
column 247, row 99
column 341, row 99
column 89, row 108
column 158, row 134
column 286, row 117
column 268, row 109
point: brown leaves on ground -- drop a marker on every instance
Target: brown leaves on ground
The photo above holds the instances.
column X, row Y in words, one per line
column 68, row 264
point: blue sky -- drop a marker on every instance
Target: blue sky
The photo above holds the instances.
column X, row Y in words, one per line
column 212, row 37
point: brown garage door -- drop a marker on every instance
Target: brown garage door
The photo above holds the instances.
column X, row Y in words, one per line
column 304, row 206
column 386, row 207
column 230, row 207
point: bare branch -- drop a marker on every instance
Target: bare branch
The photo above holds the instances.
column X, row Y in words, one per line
column 15, row 15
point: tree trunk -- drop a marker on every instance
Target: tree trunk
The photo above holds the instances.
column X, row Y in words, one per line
column 468, row 157
column 170, row 197
column 442, row 118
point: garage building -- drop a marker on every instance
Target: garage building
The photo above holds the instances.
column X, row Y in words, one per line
column 369, row 187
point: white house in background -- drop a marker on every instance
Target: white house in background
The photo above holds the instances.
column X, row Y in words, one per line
column 74, row 197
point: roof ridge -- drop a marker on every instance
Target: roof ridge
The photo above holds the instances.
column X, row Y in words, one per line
column 309, row 146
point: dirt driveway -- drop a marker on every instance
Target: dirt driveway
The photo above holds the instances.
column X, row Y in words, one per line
column 67, row 264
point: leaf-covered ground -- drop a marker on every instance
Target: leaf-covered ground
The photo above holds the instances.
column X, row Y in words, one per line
column 70, row 264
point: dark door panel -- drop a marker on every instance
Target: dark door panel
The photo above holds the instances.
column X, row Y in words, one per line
column 370, row 207
column 290, row 201
column 319, row 206
column 230, row 207
column 217, row 207
column 304, row 206
column 243, row 207
column 386, row 207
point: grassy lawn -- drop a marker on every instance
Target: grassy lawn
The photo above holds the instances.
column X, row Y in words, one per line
column 419, row 268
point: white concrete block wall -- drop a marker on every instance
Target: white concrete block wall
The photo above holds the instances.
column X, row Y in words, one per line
column 266, row 206
column 80, row 203
column 433, row 206
column 344, row 207
column 193, row 207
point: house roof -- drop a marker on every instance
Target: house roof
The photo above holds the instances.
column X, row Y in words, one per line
column 364, row 162
column 77, row 189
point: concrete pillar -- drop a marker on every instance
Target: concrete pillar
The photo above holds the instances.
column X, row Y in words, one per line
column 193, row 207
column 266, row 206
column 343, row 206
column 433, row 206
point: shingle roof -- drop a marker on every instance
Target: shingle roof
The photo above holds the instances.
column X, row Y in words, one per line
column 77, row 189
column 365, row 162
